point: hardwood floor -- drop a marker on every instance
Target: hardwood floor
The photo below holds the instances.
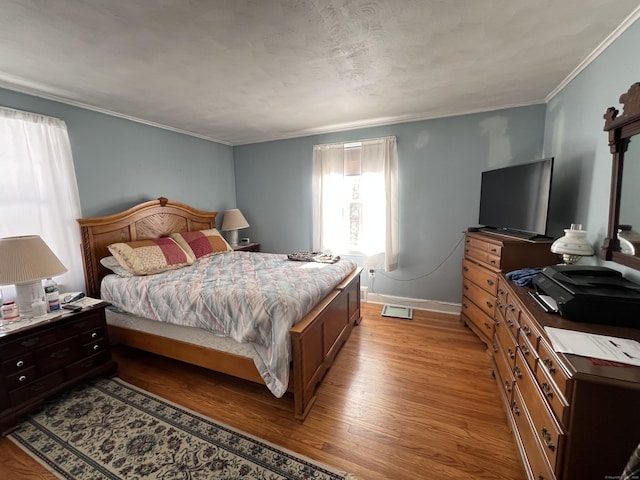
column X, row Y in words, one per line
column 405, row 399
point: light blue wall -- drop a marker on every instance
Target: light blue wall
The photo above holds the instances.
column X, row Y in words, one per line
column 120, row 163
column 574, row 134
column 440, row 163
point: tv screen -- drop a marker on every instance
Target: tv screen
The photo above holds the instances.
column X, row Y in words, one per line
column 515, row 199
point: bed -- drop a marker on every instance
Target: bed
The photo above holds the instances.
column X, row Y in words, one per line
column 315, row 339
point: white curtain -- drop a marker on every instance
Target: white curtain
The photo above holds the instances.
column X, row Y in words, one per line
column 39, row 193
column 378, row 201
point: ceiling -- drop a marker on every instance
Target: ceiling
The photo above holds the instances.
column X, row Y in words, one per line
column 244, row 71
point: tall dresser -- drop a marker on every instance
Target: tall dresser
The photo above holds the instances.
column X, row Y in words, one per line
column 485, row 256
column 573, row 418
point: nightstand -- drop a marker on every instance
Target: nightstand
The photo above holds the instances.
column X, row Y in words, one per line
column 248, row 247
column 44, row 358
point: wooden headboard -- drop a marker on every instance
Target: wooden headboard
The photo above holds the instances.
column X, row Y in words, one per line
column 153, row 219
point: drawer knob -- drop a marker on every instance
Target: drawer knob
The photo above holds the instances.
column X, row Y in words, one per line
column 489, row 304
column 19, row 363
column 525, row 350
column 465, row 269
column 512, row 356
column 96, row 347
column 526, row 331
column 515, row 409
column 94, row 335
column 547, row 439
column 22, row 378
column 517, row 372
column 546, row 388
column 490, row 282
column 549, row 364
column 487, row 325
column 507, row 385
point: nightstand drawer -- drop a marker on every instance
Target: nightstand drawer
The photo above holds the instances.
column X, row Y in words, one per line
column 27, row 344
column 85, row 365
column 57, row 355
column 36, row 388
column 16, row 364
column 21, row 378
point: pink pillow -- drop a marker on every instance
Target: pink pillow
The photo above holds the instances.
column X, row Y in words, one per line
column 202, row 243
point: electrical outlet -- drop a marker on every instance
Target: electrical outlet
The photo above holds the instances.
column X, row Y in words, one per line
column 372, row 273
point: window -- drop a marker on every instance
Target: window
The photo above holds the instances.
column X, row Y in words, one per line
column 39, row 194
column 355, row 200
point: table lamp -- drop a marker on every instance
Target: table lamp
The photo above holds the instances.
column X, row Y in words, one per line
column 24, row 262
column 573, row 245
column 232, row 222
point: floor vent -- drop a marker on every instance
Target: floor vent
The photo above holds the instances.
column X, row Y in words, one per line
column 397, row 312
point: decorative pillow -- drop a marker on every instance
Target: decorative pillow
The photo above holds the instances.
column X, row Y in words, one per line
column 112, row 264
column 202, row 243
column 144, row 257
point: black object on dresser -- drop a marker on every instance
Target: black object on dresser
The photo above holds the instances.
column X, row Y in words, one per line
column 47, row 357
column 247, row 247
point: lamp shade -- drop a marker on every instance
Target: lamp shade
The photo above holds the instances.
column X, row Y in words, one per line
column 573, row 245
column 233, row 220
column 26, row 259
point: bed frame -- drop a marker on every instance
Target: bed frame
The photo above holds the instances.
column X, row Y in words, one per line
column 315, row 340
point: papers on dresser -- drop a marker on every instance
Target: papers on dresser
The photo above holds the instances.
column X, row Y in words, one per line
column 615, row 349
column 87, row 302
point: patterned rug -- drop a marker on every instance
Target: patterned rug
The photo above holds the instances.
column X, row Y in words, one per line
column 108, row 429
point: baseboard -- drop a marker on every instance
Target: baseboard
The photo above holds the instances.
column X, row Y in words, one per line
column 429, row 305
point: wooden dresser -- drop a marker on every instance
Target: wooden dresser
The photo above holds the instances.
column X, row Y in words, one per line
column 485, row 256
column 573, row 418
column 45, row 358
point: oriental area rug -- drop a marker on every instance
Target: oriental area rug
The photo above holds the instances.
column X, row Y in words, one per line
column 108, row 429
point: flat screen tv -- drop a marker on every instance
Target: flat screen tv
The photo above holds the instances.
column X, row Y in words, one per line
column 514, row 200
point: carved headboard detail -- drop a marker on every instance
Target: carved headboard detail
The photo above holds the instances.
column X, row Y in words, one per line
column 153, row 219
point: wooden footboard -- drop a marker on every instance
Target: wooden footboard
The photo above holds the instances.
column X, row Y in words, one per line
column 316, row 340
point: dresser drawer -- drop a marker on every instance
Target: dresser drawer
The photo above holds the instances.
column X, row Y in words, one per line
column 483, row 246
column 92, row 348
column 36, row 388
column 506, row 341
column 554, row 369
column 536, row 465
column 505, row 373
column 21, row 378
column 480, row 297
column 57, row 355
column 483, row 277
column 553, row 396
column 16, row 364
column 528, row 351
column 549, row 432
column 478, row 317
column 84, row 366
column 482, row 256
column 27, row 344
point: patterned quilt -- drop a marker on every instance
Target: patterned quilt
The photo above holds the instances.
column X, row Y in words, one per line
column 251, row 297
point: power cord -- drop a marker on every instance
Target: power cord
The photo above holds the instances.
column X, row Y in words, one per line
column 426, row 274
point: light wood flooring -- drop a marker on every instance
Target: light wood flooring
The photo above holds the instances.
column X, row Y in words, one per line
column 405, row 399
